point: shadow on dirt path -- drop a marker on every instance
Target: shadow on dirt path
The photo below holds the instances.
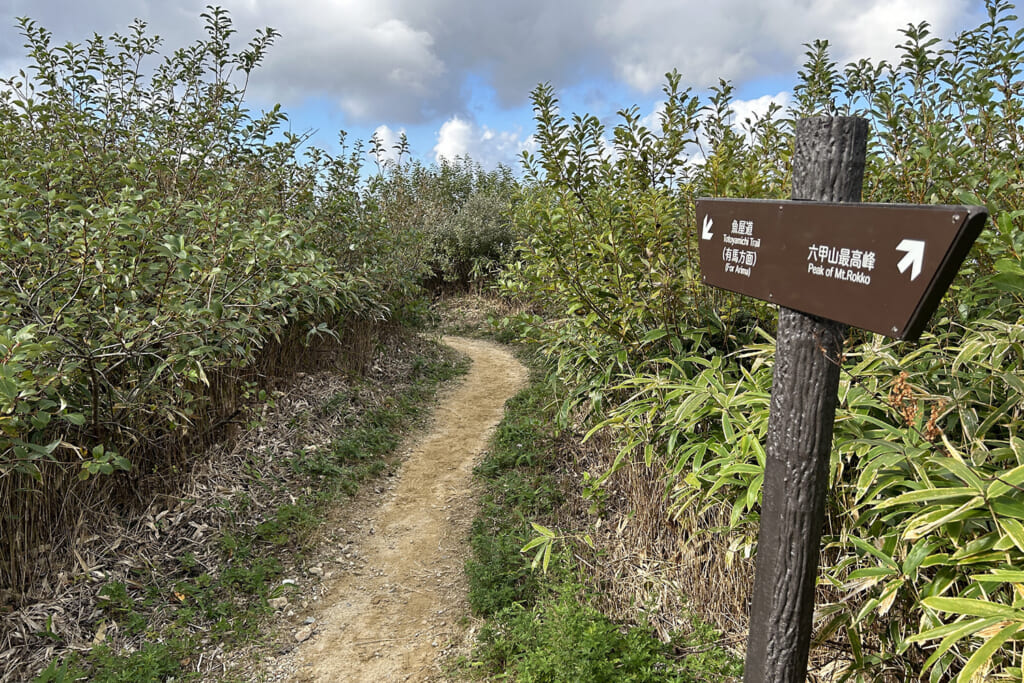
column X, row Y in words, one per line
column 392, row 620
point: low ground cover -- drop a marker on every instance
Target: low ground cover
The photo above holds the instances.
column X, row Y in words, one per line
column 173, row 592
column 541, row 616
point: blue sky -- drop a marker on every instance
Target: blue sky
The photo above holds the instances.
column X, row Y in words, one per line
column 455, row 75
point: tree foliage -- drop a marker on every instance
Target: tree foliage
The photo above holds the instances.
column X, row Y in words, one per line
column 458, row 211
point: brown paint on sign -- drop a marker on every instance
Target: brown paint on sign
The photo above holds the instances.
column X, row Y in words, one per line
column 880, row 267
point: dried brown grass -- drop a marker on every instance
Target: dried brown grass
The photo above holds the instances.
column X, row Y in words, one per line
column 652, row 566
column 471, row 313
column 43, row 519
column 649, row 567
column 108, row 545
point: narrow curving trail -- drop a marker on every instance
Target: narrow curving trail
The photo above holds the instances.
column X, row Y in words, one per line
column 391, row 620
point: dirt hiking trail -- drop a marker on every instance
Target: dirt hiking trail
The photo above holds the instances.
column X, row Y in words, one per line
column 406, row 605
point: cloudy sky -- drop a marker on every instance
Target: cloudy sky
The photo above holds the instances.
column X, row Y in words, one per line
column 455, row 75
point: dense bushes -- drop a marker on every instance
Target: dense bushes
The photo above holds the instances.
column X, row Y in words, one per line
column 165, row 250
column 460, row 212
column 924, row 538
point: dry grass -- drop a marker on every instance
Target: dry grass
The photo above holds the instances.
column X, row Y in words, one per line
column 44, row 518
column 73, row 537
column 647, row 566
column 471, row 314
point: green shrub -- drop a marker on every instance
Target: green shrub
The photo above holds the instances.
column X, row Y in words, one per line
column 458, row 210
column 924, row 538
column 562, row 639
column 607, row 246
column 164, row 248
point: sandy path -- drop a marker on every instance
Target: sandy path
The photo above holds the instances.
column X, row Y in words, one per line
column 390, row 621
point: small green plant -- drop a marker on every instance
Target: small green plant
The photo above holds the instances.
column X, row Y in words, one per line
column 562, row 639
column 540, row 626
column 152, row 663
column 61, row 672
column 115, row 600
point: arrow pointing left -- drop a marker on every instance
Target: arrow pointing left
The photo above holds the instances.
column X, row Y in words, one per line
column 913, row 259
column 707, row 227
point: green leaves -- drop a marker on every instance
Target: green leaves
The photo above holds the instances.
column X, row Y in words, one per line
column 161, row 245
column 543, row 542
column 144, row 244
column 102, row 461
column 449, row 222
column 926, row 485
column 993, row 623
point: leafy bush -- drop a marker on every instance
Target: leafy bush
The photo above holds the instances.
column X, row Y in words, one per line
column 923, row 539
column 607, row 242
column 164, row 248
column 562, row 639
column 458, row 210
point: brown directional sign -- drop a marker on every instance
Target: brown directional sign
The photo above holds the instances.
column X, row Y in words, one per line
column 880, row 267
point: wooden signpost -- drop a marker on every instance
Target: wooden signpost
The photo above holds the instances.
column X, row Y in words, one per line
column 879, row 267
column 828, row 262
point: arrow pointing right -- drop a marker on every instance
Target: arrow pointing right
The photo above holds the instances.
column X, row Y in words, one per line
column 913, row 259
column 706, row 234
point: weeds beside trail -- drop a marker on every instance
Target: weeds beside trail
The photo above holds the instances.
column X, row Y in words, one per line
column 196, row 576
column 543, row 626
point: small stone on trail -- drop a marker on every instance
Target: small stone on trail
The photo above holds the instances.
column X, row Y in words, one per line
column 316, row 571
column 278, row 603
column 303, row 634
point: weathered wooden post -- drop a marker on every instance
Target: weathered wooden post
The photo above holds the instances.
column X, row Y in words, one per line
column 828, row 166
column 828, row 261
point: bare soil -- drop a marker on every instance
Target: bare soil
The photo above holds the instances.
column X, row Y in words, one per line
column 397, row 610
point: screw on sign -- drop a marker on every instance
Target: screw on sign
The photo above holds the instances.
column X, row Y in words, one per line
column 828, row 261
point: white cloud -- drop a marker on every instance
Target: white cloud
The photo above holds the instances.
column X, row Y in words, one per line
column 407, row 62
column 406, row 59
column 389, row 139
column 453, row 140
column 751, row 110
column 458, row 137
column 739, row 39
column 372, row 59
column 873, row 30
column 365, row 57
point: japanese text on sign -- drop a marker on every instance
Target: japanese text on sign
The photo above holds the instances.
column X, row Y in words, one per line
column 840, row 263
column 740, row 254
